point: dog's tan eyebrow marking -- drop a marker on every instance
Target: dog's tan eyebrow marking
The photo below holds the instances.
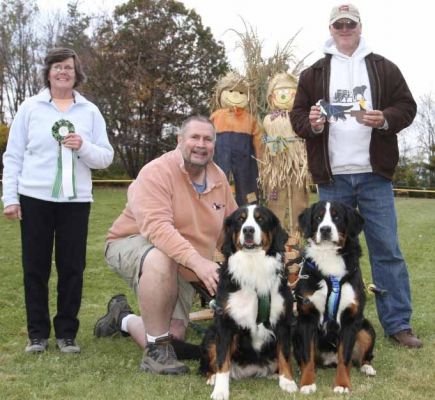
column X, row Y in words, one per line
column 321, row 213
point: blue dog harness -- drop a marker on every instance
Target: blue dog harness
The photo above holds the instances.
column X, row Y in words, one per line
column 334, row 295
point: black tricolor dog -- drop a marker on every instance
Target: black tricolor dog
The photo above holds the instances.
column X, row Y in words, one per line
column 251, row 332
column 331, row 329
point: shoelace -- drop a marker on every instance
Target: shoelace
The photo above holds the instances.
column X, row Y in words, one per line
column 69, row 342
column 35, row 341
column 162, row 353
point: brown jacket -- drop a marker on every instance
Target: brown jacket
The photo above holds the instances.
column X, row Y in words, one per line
column 390, row 94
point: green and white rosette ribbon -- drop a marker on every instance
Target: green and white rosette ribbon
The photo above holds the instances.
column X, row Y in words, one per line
column 65, row 174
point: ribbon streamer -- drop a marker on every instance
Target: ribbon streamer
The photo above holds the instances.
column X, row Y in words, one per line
column 65, row 174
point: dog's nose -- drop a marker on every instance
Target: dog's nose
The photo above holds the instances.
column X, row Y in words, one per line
column 325, row 231
column 248, row 230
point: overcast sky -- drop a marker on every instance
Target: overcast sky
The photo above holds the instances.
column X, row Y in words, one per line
column 399, row 30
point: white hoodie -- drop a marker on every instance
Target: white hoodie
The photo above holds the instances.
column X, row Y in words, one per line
column 30, row 160
column 349, row 140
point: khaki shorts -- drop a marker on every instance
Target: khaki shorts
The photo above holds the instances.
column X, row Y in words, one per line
column 125, row 257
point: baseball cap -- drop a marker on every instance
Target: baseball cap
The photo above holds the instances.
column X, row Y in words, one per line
column 344, row 11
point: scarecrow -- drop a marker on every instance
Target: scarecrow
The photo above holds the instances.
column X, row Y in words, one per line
column 284, row 168
column 238, row 136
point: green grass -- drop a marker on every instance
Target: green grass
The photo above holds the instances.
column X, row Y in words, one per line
column 109, row 368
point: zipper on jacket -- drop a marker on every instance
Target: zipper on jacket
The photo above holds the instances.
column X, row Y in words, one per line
column 375, row 82
column 325, row 143
column 375, row 87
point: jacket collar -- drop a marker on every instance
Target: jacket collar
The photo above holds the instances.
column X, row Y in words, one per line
column 45, row 96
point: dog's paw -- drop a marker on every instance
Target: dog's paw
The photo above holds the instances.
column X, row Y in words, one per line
column 308, row 389
column 368, row 370
column 341, row 390
column 211, row 380
column 221, row 389
column 220, row 394
column 287, row 385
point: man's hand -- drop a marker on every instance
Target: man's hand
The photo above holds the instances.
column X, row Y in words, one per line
column 374, row 119
column 317, row 120
column 206, row 270
column 12, row 212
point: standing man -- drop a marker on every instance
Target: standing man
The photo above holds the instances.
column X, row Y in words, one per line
column 353, row 159
column 164, row 239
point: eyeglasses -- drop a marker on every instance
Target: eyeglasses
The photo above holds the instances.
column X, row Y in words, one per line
column 66, row 68
column 346, row 24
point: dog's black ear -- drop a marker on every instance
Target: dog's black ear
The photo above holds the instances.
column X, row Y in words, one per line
column 228, row 246
column 280, row 236
column 356, row 221
column 305, row 222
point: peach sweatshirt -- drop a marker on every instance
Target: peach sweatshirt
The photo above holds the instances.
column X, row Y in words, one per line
column 165, row 208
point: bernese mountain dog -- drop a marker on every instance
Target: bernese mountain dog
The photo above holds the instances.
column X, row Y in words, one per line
column 331, row 329
column 251, row 332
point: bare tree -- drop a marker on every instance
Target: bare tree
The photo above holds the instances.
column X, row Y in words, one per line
column 51, row 25
column 424, row 124
column 18, row 54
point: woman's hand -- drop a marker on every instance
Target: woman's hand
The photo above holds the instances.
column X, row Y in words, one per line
column 72, row 141
column 12, row 212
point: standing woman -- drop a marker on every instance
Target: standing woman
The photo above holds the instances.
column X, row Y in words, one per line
column 55, row 140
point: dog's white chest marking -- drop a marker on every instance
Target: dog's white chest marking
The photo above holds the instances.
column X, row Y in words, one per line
column 257, row 275
column 326, row 258
column 255, row 270
column 329, row 263
column 318, row 298
column 346, row 300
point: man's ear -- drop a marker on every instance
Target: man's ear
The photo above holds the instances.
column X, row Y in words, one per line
column 179, row 138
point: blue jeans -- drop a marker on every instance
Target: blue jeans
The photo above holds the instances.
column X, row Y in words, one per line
column 373, row 196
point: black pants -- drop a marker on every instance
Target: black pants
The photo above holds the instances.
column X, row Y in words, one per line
column 66, row 224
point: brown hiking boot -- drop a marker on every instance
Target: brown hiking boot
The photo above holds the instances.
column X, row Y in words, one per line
column 109, row 325
column 160, row 358
column 406, row 338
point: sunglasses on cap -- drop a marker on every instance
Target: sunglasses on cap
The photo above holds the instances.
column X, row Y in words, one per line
column 346, row 24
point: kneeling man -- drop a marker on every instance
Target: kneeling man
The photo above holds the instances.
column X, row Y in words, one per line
column 164, row 239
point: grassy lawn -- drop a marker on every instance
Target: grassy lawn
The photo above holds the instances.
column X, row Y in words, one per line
column 109, row 368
